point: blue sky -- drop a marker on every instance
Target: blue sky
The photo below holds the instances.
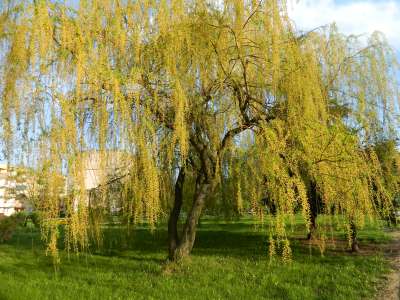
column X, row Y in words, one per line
column 351, row 16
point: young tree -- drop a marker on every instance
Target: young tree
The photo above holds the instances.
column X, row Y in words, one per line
column 179, row 85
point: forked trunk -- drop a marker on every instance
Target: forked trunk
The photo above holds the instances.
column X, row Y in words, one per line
column 180, row 247
column 188, row 237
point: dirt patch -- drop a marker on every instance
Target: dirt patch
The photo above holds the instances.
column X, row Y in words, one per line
column 391, row 288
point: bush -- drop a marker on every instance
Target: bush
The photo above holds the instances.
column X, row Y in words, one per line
column 34, row 218
column 20, row 217
column 396, row 202
column 8, row 225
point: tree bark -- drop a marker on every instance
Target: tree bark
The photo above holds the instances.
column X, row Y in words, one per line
column 392, row 221
column 186, row 242
column 353, row 237
column 313, row 225
column 173, row 238
column 315, row 203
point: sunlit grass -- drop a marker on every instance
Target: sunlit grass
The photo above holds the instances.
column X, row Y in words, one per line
column 230, row 261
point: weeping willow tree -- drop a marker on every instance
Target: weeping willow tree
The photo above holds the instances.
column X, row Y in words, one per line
column 388, row 157
column 181, row 88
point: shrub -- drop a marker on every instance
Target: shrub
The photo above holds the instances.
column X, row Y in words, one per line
column 35, row 219
column 8, row 225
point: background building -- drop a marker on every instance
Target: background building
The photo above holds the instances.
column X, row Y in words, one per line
column 13, row 191
column 102, row 174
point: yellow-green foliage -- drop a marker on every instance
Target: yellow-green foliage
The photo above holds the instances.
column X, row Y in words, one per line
column 176, row 83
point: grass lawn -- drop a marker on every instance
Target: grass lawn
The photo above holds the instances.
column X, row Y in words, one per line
column 230, row 261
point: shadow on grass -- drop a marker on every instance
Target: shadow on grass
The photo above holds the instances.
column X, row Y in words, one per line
column 236, row 239
column 230, row 261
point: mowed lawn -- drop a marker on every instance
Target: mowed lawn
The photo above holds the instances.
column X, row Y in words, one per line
column 230, row 261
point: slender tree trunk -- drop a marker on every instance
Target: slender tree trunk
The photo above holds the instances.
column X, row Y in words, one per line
column 314, row 202
column 392, row 221
column 313, row 225
column 173, row 238
column 353, row 237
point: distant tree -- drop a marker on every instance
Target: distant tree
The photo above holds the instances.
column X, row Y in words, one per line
column 183, row 86
column 389, row 160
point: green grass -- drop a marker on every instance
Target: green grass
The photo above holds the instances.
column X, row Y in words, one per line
column 229, row 261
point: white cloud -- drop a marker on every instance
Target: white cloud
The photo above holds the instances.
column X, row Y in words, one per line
column 351, row 17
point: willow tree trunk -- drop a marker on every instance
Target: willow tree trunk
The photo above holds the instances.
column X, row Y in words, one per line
column 180, row 247
column 353, row 237
column 314, row 201
column 313, row 225
column 173, row 238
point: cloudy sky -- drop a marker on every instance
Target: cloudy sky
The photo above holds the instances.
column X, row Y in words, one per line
column 351, row 16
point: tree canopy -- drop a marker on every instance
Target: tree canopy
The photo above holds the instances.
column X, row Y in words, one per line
column 211, row 93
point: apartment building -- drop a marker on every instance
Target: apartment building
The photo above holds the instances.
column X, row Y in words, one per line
column 102, row 169
column 13, row 188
